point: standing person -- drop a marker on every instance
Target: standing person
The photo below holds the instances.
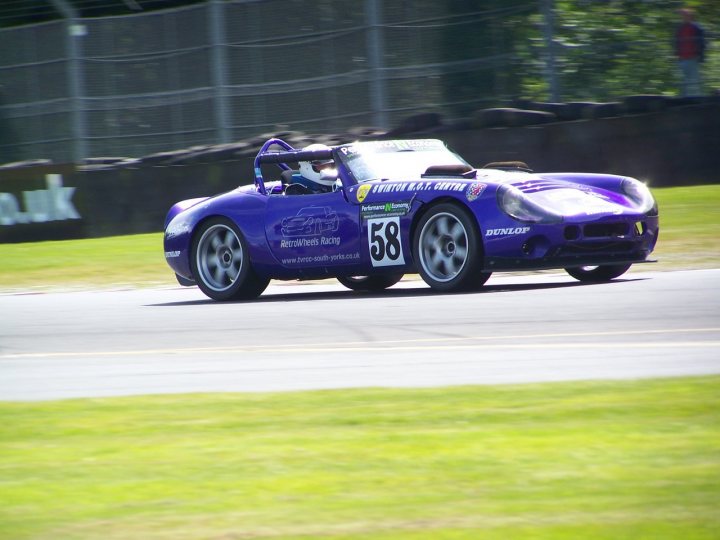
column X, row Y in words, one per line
column 690, row 51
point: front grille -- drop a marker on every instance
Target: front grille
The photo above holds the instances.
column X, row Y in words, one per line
column 606, row 230
column 584, row 248
column 572, row 232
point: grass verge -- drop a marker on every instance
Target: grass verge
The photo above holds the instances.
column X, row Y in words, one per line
column 591, row 460
column 689, row 238
column 689, row 227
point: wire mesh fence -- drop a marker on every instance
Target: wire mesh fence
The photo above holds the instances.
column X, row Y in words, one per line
column 223, row 71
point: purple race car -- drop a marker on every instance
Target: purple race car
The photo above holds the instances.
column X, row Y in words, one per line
column 407, row 206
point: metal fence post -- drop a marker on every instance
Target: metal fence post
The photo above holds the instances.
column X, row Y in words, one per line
column 219, row 69
column 548, row 8
column 74, row 32
column 375, row 50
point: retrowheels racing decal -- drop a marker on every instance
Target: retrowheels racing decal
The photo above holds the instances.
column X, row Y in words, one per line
column 384, row 241
column 362, row 192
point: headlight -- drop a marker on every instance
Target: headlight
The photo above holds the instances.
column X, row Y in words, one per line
column 639, row 193
column 516, row 204
column 177, row 227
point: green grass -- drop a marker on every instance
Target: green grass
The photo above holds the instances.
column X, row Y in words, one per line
column 689, row 227
column 689, row 238
column 135, row 260
column 591, row 460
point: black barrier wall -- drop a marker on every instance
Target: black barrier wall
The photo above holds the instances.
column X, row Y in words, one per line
column 675, row 147
column 61, row 202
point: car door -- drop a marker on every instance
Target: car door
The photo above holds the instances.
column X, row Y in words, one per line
column 313, row 230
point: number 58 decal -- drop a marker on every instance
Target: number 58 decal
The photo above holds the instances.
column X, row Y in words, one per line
column 384, row 241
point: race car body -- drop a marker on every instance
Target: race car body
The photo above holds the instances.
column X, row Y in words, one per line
column 310, row 221
column 407, row 206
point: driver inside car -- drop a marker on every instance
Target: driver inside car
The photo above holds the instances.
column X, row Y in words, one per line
column 317, row 176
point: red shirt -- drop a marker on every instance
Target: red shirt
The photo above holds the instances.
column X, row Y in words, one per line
column 687, row 42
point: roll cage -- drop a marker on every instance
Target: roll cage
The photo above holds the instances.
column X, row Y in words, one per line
column 282, row 158
column 458, row 168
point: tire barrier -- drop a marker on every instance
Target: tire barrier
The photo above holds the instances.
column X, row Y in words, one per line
column 510, row 117
column 664, row 141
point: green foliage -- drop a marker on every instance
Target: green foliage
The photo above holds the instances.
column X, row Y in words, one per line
column 606, row 50
column 590, row 460
column 490, row 31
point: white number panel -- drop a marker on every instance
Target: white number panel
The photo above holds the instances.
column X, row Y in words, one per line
column 384, row 241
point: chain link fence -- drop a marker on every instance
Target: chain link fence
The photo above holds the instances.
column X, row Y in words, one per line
column 224, row 71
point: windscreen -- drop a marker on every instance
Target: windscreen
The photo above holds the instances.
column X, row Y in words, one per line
column 396, row 160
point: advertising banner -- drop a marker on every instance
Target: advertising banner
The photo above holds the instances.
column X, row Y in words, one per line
column 56, row 202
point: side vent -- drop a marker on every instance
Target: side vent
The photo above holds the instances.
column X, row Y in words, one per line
column 509, row 166
column 449, row 170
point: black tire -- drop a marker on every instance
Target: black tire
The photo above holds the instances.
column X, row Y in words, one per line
column 370, row 283
column 448, row 249
column 598, row 274
column 220, row 262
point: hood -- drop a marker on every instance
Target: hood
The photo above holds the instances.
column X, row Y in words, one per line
column 533, row 197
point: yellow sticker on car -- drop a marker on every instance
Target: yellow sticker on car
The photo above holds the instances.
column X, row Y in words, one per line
column 362, row 192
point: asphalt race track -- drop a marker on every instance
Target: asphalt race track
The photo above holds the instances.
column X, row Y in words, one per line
column 540, row 327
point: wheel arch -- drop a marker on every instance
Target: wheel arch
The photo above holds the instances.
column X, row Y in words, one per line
column 192, row 237
column 426, row 207
column 254, row 252
column 245, row 283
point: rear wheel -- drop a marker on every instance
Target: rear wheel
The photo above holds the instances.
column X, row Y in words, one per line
column 370, row 283
column 220, row 262
column 448, row 249
column 598, row 273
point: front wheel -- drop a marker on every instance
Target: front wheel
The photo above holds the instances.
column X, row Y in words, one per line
column 369, row 283
column 220, row 262
column 448, row 249
column 598, row 273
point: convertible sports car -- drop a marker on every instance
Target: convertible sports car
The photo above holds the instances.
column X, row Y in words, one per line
column 407, row 206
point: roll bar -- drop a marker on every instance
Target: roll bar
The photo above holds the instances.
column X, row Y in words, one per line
column 290, row 155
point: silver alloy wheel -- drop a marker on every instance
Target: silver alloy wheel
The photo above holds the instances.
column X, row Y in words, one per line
column 443, row 247
column 219, row 257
